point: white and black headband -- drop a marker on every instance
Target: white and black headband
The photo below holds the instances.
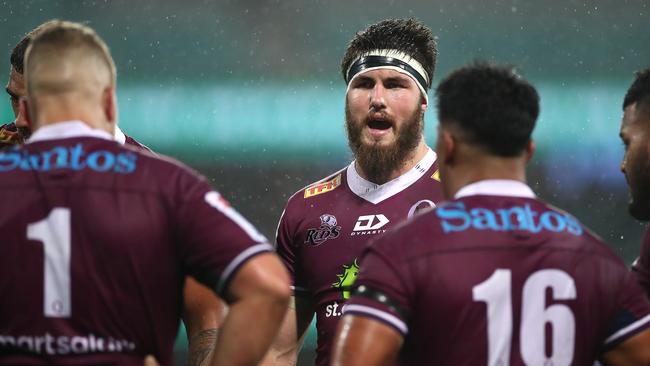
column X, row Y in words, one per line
column 393, row 60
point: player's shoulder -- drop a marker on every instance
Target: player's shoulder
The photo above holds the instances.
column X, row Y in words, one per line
column 591, row 240
column 164, row 171
column 130, row 141
column 319, row 189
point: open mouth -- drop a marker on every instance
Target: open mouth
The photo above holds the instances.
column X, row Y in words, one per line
column 379, row 124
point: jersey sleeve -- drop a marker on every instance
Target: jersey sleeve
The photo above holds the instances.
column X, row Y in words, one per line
column 633, row 313
column 381, row 291
column 287, row 248
column 641, row 266
column 215, row 239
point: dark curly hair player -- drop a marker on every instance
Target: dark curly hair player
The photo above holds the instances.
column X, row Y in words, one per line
column 494, row 276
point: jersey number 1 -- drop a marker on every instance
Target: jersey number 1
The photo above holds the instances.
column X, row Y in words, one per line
column 496, row 292
column 54, row 232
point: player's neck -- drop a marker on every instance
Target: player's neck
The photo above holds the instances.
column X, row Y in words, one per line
column 407, row 164
column 90, row 116
column 484, row 168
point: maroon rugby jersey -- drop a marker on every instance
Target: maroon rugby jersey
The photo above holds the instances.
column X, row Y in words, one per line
column 9, row 135
column 498, row 277
column 96, row 240
column 127, row 140
column 325, row 227
column 641, row 266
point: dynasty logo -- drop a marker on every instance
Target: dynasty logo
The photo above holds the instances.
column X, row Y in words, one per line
column 327, row 230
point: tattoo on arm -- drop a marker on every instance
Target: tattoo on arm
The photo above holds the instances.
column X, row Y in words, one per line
column 201, row 346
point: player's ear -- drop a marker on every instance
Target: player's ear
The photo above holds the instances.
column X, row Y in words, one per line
column 448, row 146
column 109, row 104
column 530, row 150
column 423, row 104
column 23, row 110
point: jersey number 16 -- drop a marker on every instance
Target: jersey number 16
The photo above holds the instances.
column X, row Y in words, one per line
column 496, row 292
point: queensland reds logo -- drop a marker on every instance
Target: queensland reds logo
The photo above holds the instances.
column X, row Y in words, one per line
column 327, row 230
column 420, row 206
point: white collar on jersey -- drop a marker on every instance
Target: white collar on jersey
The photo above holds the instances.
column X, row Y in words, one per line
column 496, row 187
column 376, row 193
column 68, row 129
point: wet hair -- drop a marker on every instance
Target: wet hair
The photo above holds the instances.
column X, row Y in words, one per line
column 409, row 36
column 17, row 57
column 491, row 105
column 639, row 91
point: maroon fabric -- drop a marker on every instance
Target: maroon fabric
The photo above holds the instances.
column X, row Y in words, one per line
column 131, row 141
column 318, row 244
column 9, row 135
column 138, row 223
column 435, row 275
column 641, row 267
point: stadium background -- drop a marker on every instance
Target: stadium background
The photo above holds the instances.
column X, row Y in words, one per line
column 249, row 92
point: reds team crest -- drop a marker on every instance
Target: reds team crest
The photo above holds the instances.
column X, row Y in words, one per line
column 328, row 230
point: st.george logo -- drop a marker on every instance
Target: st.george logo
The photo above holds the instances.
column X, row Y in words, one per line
column 327, row 230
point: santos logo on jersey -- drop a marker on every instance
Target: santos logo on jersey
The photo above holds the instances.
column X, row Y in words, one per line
column 74, row 158
column 455, row 217
column 370, row 224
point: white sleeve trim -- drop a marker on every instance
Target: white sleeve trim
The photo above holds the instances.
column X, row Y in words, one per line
column 387, row 317
column 241, row 258
column 630, row 328
column 214, row 199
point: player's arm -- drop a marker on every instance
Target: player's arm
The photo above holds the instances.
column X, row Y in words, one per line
column 362, row 340
column 632, row 352
column 641, row 266
column 374, row 321
column 259, row 293
column 284, row 349
column 628, row 339
column 203, row 312
column 224, row 251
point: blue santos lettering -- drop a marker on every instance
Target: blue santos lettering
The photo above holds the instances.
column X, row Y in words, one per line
column 455, row 217
column 73, row 158
column 483, row 219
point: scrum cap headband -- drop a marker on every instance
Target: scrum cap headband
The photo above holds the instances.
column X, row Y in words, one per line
column 389, row 59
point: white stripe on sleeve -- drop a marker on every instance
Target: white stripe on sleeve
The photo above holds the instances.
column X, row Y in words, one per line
column 387, row 317
column 629, row 329
column 241, row 258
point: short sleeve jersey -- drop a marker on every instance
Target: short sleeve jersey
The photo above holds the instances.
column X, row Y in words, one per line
column 96, row 240
column 325, row 227
column 520, row 281
column 641, row 267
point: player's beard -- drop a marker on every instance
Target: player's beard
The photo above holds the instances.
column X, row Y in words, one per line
column 639, row 183
column 378, row 161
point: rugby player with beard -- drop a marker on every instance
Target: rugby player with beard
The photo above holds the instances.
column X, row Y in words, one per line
column 494, row 276
column 635, row 134
column 388, row 69
column 202, row 309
